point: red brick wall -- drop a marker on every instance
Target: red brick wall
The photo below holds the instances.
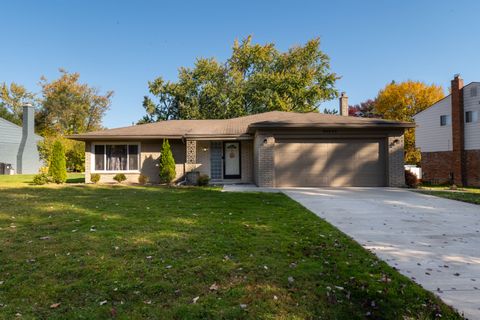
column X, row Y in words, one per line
column 437, row 167
column 472, row 168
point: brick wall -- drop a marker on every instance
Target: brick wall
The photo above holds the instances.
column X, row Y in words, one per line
column 395, row 170
column 437, row 167
column 472, row 168
column 264, row 149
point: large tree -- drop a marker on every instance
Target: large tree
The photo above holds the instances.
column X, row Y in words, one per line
column 69, row 106
column 401, row 101
column 256, row 78
column 365, row 109
column 12, row 99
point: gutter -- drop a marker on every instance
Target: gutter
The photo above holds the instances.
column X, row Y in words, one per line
column 253, row 127
column 80, row 137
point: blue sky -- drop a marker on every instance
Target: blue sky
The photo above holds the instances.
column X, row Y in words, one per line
column 121, row 45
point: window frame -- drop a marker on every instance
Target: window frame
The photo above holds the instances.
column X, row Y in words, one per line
column 447, row 120
column 473, row 116
column 104, row 144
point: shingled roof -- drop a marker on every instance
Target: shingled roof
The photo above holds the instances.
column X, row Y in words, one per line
column 237, row 127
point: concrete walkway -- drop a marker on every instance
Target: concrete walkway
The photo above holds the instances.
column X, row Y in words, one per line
column 434, row 241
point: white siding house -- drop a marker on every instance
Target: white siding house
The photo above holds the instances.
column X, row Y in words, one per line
column 471, row 102
column 448, row 136
column 430, row 135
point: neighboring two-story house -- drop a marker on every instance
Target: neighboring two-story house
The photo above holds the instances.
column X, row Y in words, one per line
column 448, row 135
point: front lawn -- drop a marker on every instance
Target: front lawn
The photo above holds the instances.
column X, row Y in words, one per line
column 22, row 179
column 99, row 252
column 471, row 195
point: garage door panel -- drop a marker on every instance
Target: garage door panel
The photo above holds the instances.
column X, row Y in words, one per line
column 329, row 163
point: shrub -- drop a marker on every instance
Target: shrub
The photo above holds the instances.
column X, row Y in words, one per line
column 411, row 179
column 95, row 177
column 43, row 170
column 41, row 178
column 167, row 164
column 203, row 180
column 58, row 168
column 142, row 179
column 119, row 177
column 74, row 151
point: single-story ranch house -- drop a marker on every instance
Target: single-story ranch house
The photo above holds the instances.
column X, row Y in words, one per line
column 272, row 149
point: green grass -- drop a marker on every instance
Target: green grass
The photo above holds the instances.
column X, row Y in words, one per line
column 19, row 179
column 467, row 194
column 149, row 251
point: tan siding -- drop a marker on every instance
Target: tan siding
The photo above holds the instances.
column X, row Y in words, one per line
column 149, row 161
column 203, row 157
column 247, row 161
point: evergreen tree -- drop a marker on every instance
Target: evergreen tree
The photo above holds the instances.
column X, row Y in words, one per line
column 167, row 163
column 58, row 168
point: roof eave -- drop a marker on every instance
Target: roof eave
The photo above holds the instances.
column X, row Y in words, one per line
column 80, row 137
column 254, row 127
column 242, row 136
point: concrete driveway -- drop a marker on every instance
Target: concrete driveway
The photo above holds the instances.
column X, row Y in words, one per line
column 434, row 241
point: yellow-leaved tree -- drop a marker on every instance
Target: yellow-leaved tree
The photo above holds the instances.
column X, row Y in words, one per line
column 401, row 101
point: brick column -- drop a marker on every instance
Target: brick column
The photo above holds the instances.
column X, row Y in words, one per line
column 396, row 169
column 88, row 156
column 264, row 162
column 458, row 132
column 191, row 156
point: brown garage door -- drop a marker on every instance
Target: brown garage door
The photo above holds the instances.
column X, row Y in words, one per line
column 335, row 162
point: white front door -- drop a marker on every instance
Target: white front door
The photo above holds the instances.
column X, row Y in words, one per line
column 231, row 158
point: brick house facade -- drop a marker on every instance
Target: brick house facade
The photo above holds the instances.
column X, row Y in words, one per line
column 272, row 149
column 448, row 135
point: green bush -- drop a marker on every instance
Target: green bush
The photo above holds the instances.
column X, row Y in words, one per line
column 58, row 168
column 142, row 179
column 95, row 177
column 41, row 178
column 74, row 152
column 167, row 164
column 203, row 180
column 119, row 177
column 411, row 179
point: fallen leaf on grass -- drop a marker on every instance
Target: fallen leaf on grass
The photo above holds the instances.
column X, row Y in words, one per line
column 55, row 305
column 195, row 299
column 214, row 287
column 103, row 302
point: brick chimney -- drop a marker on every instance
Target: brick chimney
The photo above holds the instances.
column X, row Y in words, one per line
column 343, row 104
column 458, row 132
